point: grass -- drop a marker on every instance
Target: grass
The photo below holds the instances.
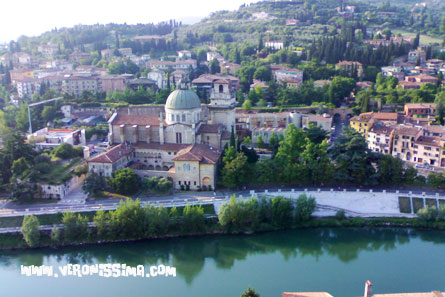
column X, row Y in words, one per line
column 53, row 219
column 430, row 202
column 404, row 205
column 417, row 204
column 424, row 39
column 59, row 172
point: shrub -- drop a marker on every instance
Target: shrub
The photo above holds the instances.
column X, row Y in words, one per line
column 124, row 181
column 31, row 230
column 193, row 217
column 340, row 215
column 76, row 227
column 305, row 206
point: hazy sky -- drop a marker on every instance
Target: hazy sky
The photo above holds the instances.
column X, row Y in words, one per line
column 33, row 17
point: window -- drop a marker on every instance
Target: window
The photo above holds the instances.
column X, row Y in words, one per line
column 194, row 183
column 221, row 88
column 177, row 118
column 179, row 182
column 173, row 117
column 178, row 137
column 183, row 117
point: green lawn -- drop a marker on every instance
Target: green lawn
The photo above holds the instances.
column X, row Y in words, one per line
column 424, row 39
column 404, row 205
column 431, row 202
column 418, row 204
column 60, row 172
column 52, row 219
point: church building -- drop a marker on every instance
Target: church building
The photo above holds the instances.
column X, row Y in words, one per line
column 183, row 142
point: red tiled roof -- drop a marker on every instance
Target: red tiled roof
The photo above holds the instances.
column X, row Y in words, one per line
column 200, row 153
column 208, row 128
column 112, row 155
column 140, row 120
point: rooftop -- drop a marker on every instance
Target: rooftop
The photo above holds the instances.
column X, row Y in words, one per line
column 113, row 154
column 200, row 153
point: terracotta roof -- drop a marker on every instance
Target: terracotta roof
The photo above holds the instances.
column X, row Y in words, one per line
column 385, row 116
column 198, row 152
column 381, row 129
column 407, row 130
column 140, row 120
column 208, row 128
column 172, row 147
column 420, row 105
column 226, row 135
column 428, row 140
column 113, row 154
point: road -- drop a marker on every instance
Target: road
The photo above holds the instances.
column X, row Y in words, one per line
column 188, row 198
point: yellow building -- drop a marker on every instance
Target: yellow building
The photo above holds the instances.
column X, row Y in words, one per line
column 362, row 123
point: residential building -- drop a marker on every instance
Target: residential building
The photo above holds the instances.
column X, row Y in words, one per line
column 114, row 82
column 77, row 83
column 394, row 71
column 419, row 109
column 363, row 122
column 417, row 56
column 184, row 55
column 117, row 157
column 26, row 87
column 77, row 56
column 380, row 139
column 48, row 50
column 352, row 68
column 274, row 44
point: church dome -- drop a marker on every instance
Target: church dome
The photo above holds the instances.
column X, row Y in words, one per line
column 183, row 99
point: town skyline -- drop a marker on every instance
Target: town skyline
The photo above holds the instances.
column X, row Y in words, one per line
column 46, row 15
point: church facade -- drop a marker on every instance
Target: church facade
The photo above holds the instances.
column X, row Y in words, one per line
column 183, row 141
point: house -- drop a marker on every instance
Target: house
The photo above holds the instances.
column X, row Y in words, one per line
column 292, row 77
column 352, row 68
column 380, row 138
column 417, row 55
column 321, row 83
column 419, row 109
column 196, row 166
column 394, row 71
column 274, row 44
column 117, row 157
column 184, row 55
column 51, row 138
column 114, row 82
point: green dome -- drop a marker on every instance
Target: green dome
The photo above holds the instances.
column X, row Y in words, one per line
column 183, row 99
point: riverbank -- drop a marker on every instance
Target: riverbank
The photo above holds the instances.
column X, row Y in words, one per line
column 16, row 242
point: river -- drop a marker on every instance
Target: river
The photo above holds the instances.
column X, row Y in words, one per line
column 335, row 260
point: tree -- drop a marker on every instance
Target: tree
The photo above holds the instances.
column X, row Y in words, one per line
column 304, row 208
column 263, row 73
column 353, row 160
column 214, row 66
column 75, row 227
column 101, row 219
column 287, row 158
column 94, row 183
column 56, row 236
column 250, row 293
column 235, row 171
column 316, row 134
column 281, row 211
column 247, row 105
column 193, row 217
column 66, row 151
column 124, row 181
column 339, row 88
column 48, row 113
column 31, row 230
column 128, row 220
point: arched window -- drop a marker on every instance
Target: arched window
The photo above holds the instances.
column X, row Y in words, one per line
column 173, row 117
column 183, row 117
column 177, row 118
column 221, row 88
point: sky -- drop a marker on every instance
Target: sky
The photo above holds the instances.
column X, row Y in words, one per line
column 33, row 17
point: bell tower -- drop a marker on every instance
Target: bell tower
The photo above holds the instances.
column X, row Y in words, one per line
column 222, row 104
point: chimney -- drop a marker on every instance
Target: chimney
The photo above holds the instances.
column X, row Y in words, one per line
column 368, row 287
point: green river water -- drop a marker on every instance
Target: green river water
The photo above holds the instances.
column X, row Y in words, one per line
column 335, row 260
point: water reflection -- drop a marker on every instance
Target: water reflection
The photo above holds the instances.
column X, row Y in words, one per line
column 188, row 255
